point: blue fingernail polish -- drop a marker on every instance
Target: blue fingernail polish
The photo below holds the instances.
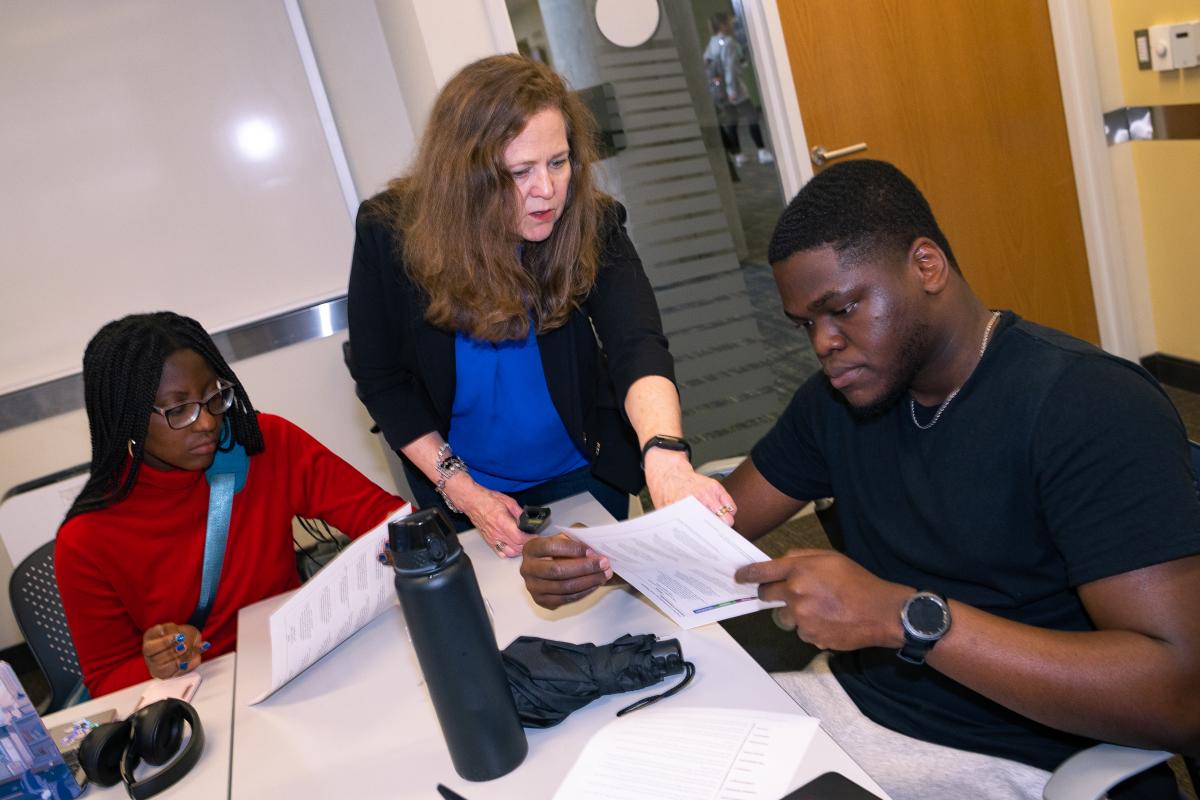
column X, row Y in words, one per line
column 179, row 637
column 183, row 665
column 206, row 645
column 179, row 648
column 382, row 558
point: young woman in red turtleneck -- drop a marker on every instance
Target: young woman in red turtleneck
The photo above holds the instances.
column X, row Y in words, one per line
column 161, row 400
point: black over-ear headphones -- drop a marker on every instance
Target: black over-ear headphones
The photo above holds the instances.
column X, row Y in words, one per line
column 111, row 752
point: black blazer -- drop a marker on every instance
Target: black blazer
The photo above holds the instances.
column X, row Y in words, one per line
column 404, row 368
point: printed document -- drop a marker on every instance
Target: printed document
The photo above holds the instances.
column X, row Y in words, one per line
column 682, row 558
column 350, row 591
column 689, row 754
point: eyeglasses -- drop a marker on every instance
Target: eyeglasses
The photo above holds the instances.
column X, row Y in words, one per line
column 185, row 414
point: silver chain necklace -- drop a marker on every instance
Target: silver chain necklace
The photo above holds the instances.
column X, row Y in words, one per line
column 912, row 406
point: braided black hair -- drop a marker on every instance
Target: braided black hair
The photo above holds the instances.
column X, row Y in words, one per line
column 864, row 209
column 122, row 366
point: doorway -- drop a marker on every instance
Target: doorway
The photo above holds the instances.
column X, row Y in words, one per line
column 700, row 218
column 965, row 99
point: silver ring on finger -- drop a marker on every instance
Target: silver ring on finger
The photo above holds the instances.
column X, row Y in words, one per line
column 499, row 547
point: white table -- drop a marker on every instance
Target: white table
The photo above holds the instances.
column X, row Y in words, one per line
column 213, row 702
column 359, row 723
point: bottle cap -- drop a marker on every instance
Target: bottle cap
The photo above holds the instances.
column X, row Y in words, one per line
column 423, row 542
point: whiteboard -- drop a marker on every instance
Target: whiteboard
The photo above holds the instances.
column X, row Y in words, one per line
column 156, row 155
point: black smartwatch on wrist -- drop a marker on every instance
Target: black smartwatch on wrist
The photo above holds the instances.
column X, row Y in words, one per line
column 926, row 619
column 666, row 443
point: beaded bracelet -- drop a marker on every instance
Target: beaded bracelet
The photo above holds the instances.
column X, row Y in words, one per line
column 446, row 469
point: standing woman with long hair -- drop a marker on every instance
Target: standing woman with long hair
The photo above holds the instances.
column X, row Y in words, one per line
column 504, row 336
column 169, row 420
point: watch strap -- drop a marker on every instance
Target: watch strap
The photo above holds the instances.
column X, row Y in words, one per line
column 914, row 650
column 666, row 442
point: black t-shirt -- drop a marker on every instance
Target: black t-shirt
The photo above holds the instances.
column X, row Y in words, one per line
column 1056, row 465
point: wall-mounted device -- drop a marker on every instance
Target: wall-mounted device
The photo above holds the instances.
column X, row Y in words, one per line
column 1184, row 45
column 1141, row 41
column 1170, row 46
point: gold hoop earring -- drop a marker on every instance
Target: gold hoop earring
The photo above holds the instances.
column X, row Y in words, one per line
column 129, row 447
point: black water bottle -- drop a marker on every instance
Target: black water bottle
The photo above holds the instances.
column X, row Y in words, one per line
column 456, row 646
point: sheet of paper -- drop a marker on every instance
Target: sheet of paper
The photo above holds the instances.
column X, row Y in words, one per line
column 182, row 687
column 682, row 558
column 346, row 594
column 691, row 754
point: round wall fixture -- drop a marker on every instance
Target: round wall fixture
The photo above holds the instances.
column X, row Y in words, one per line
column 627, row 23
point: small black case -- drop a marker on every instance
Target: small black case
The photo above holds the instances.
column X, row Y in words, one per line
column 534, row 519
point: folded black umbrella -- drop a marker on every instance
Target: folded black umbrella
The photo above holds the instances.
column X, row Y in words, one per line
column 551, row 679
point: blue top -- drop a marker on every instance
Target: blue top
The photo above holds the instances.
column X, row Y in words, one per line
column 504, row 424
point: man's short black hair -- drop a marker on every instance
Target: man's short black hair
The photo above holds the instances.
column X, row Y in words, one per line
column 864, row 209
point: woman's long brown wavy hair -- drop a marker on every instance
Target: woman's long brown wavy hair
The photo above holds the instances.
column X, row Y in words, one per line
column 456, row 210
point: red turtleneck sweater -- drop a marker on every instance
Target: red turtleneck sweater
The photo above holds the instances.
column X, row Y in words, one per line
column 136, row 564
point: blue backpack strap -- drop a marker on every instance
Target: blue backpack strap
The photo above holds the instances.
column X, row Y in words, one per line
column 226, row 477
column 230, row 458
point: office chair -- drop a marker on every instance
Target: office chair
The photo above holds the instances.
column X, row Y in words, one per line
column 45, row 480
column 38, row 608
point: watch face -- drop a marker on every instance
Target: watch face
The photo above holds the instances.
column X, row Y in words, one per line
column 927, row 617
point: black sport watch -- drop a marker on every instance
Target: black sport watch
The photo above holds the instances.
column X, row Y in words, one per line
column 926, row 619
column 666, row 443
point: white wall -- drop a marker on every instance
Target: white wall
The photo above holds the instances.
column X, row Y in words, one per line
column 430, row 40
column 376, row 129
column 382, row 64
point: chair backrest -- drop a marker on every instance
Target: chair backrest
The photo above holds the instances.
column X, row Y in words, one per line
column 31, row 513
column 36, row 603
column 721, row 467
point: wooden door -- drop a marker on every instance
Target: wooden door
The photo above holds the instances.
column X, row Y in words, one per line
column 963, row 96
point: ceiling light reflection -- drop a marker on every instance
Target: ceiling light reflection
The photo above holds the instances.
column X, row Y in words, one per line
column 257, row 139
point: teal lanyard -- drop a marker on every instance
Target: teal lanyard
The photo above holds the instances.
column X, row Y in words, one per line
column 226, row 477
column 220, row 507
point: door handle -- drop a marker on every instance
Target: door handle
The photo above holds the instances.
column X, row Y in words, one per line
column 820, row 156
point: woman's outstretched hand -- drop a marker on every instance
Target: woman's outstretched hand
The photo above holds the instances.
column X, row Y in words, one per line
column 670, row 477
column 494, row 515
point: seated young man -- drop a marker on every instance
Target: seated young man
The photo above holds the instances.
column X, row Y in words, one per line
column 1021, row 576
column 162, row 405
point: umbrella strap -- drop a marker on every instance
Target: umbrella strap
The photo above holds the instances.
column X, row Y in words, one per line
column 689, row 672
